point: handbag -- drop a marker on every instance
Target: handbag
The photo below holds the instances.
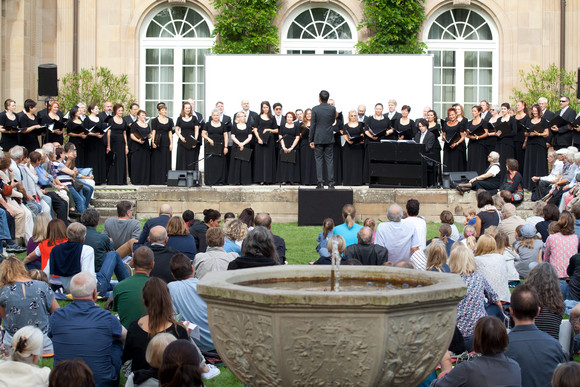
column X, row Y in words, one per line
column 6, row 190
column 77, row 185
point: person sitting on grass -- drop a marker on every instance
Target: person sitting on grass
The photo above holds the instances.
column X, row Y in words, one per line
column 341, row 249
column 258, row 250
column 154, row 356
column 365, row 251
column 437, row 259
column 71, row 373
column 215, row 258
column 181, row 365
column 566, row 375
column 530, row 249
column 349, row 228
column 21, row 370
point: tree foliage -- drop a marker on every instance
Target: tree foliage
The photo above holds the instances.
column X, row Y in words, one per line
column 546, row 83
column 394, row 27
column 246, row 27
column 94, row 85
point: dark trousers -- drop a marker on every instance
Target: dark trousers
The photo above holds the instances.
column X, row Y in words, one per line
column 59, row 206
column 323, row 153
column 542, row 188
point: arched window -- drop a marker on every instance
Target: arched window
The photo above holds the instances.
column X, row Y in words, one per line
column 464, row 43
column 318, row 31
column 174, row 41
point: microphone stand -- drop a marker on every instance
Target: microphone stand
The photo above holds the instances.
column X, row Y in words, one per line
column 438, row 164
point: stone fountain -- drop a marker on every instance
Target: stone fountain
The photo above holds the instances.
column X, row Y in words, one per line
column 270, row 331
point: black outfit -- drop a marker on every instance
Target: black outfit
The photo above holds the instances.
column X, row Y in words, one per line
column 574, row 275
column 161, row 156
column 337, row 151
column 408, row 131
column 436, row 154
column 265, row 154
column 198, row 230
column 118, row 168
column 307, row 162
column 240, row 171
column 28, row 140
column 50, row 136
column 374, row 126
column 476, row 151
column 187, row 158
column 505, row 146
column 322, row 135
column 429, row 172
column 96, row 151
column 491, row 184
column 9, row 140
column 368, row 254
column 535, row 158
column 353, row 155
column 288, row 172
column 215, row 166
column 454, row 159
column 77, row 128
column 488, row 218
column 542, row 228
column 157, row 221
column 563, row 138
column 519, row 138
column 249, row 261
column 162, row 256
column 141, row 159
column 280, row 245
column 129, row 122
column 491, row 141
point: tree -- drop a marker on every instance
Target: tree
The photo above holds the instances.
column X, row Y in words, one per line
column 245, row 27
column 546, row 83
column 393, row 26
column 94, row 85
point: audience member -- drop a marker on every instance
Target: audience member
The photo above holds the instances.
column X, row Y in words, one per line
column 55, row 235
column 235, row 231
column 529, row 249
column 566, row 375
column 265, row 220
column 215, row 258
column 511, row 189
column 446, row 217
column 560, row 247
column 165, row 213
column 437, row 258
column 573, row 272
column 153, row 356
column 211, row 218
column 181, row 366
column 84, row 330
column 38, row 235
column 258, row 250
column 180, row 238
column 536, row 352
column 417, row 221
column 468, row 237
column 365, row 250
column 400, row 239
column 370, row 223
column 538, row 213
column 247, row 216
column 576, row 212
column 162, row 253
column 490, row 180
column 349, row 228
column 100, row 243
column 341, row 247
column 487, row 215
column 544, row 280
column 510, row 256
column 469, row 213
column 123, row 228
column 324, row 237
column 543, row 182
column 492, row 267
column 71, row 373
column 511, row 220
column 551, row 214
column 128, row 294
column 22, row 370
column 189, row 218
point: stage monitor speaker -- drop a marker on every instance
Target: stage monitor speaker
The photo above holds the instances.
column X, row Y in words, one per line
column 183, row 178
column 315, row 205
column 461, row 177
column 47, row 80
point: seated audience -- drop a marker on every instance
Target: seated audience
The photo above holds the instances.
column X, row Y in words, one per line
column 573, row 272
column 530, row 249
column 492, row 266
column 400, row 239
column 189, row 218
column 566, row 375
column 215, row 258
column 38, row 235
column 511, row 189
column 437, row 258
column 349, row 228
column 82, row 329
column 417, row 221
column 181, row 365
column 492, row 368
column 544, row 280
column 551, row 214
column 489, row 180
column 153, row 356
column 211, row 218
column 511, row 220
column 469, row 213
column 263, row 219
column 536, row 352
column 258, row 250
column 21, row 369
column 327, row 260
column 123, row 228
column 365, row 250
column 538, row 213
column 162, row 253
column 100, row 243
column 487, row 216
column 235, row 231
column 324, row 236
column 543, row 183
column 560, row 247
column 165, row 213
column 510, row 256
column 446, row 217
column 468, row 237
column 179, row 237
column 71, row 373
column 247, row 216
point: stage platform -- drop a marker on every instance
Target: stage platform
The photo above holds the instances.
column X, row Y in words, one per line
column 279, row 200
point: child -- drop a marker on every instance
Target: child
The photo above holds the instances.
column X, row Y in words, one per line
column 370, row 223
column 447, row 218
column 469, row 237
column 510, row 256
column 529, row 249
column 38, row 275
column 437, row 258
column 327, row 260
column 324, row 236
column 470, row 216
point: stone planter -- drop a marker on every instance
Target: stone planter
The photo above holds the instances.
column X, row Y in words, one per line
column 273, row 337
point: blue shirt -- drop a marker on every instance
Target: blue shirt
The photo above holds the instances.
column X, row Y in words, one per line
column 44, row 178
column 232, row 247
column 84, row 330
column 349, row 234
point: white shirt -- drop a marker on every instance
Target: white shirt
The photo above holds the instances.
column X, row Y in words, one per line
column 422, row 138
column 563, row 110
column 87, row 264
column 421, row 228
column 494, row 170
column 397, row 237
column 556, row 171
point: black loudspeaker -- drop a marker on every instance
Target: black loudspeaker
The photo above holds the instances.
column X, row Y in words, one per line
column 315, row 205
column 183, row 178
column 461, row 177
column 47, row 80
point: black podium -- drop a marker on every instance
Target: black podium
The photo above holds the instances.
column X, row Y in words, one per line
column 396, row 164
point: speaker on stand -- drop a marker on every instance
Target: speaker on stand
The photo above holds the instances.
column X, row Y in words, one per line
column 47, row 82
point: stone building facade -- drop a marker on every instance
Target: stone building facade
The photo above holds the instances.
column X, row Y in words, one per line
column 478, row 45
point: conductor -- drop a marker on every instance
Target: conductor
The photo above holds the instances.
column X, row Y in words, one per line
column 322, row 138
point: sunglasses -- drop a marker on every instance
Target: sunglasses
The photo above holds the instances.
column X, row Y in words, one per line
column 563, row 100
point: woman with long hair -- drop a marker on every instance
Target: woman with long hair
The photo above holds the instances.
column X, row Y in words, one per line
column 141, row 150
column 55, row 235
column 437, row 258
column 522, row 122
column 118, row 148
column 349, row 228
column 454, row 143
column 24, row 301
column 544, row 279
column 492, row 266
column 39, row 231
column 535, row 157
column 95, row 145
column 307, row 162
column 265, row 130
column 162, row 144
column 76, row 134
column 187, row 129
column 560, row 247
column 181, row 366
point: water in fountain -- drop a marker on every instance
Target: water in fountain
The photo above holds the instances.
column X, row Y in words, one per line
column 335, row 269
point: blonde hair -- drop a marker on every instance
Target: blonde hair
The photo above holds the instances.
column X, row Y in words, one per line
column 461, row 260
column 348, row 214
column 40, row 228
column 176, row 226
column 370, row 223
column 26, row 343
column 437, row 256
column 11, row 269
column 341, row 243
column 528, row 243
column 491, row 231
column 155, row 348
column 485, row 245
column 445, row 233
column 235, row 229
column 469, row 211
column 38, row 275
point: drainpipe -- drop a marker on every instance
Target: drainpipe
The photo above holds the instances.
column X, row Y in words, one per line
column 562, row 43
column 75, row 50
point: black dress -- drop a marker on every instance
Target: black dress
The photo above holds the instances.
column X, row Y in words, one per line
column 265, row 154
column 353, row 155
column 436, row 154
column 476, row 151
column 519, row 138
column 96, row 151
column 491, row 141
column 407, row 130
column 454, row 159
column 505, row 146
column 117, row 156
column 288, row 172
column 215, row 166
column 53, row 124
column 28, row 140
column 77, row 128
column 240, row 171
column 336, row 152
column 374, row 126
column 9, row 140
column 141, row 159
column 535, row 158
column 307, row 162
column 161, row 156
column 187, row 158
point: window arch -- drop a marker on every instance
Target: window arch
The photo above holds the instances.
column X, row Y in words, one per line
column 318, row 30
column 464, row 43
column 174, row 41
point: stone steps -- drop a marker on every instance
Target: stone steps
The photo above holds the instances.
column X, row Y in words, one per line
column 106, row 200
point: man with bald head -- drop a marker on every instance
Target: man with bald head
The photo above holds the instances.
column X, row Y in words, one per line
column 399, row 238
column 165, row 212
column 162, row 254
column 361, row 111
column 365, row 250
column 251, row 117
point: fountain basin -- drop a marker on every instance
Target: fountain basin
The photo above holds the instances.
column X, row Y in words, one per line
column 288, row 337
